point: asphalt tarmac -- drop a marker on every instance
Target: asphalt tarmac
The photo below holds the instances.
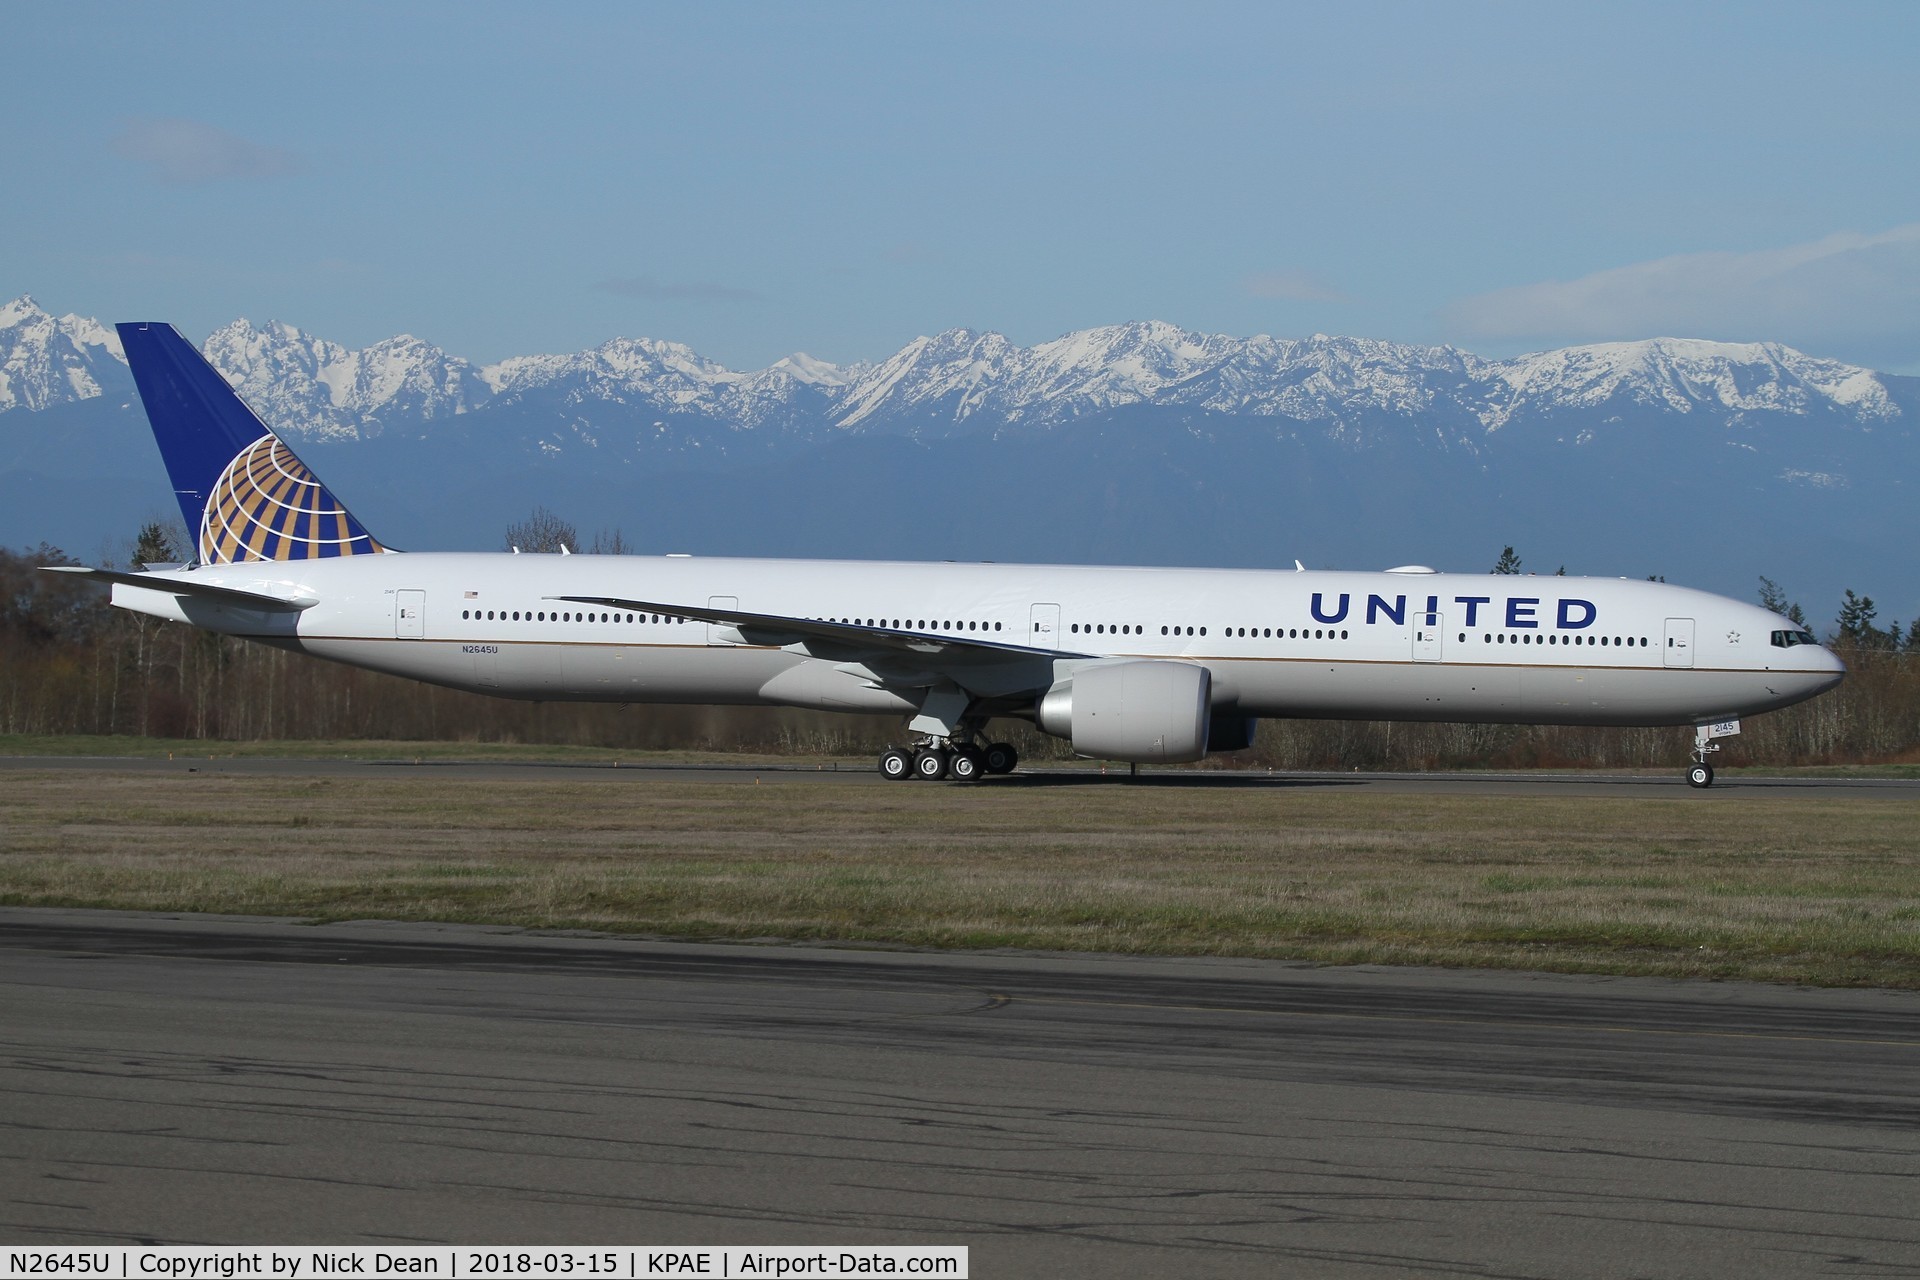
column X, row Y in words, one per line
column 842, row 774
column 209, row 1079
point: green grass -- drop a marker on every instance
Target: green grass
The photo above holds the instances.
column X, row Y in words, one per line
column 1805, row 888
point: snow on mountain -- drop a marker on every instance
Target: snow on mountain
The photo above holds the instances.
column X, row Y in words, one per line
column 1342, row 381
column 667, row 375
column 963, row 379
column 670, row 378
column 315, row 389
column 1681, row 375
column 46, row 361
column 943, row 377
column 1335, row 381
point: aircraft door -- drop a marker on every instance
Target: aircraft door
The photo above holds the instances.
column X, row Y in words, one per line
column 410, row 615
column 1427, row 629
column 1679, row 650
column 723, row 633
column 1044, row 632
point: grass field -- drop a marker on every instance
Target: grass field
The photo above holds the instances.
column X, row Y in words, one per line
column 1752, row 886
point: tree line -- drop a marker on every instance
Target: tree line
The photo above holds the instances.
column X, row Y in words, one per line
column 72, row 664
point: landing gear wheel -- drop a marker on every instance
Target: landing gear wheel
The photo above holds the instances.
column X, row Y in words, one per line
column 896, row 765
column 968, row 765
column 1001, row 757
column 930, row 765
column 1700, row 775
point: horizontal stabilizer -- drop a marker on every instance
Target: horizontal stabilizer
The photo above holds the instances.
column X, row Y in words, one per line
column 188, row 587
column 776, row 629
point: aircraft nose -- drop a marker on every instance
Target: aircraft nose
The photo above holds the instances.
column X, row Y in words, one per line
column 1825, row 663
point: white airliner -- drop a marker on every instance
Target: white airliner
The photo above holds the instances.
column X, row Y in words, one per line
column 1130, row 664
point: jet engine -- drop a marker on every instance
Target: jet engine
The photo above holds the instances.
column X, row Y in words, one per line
column 1144, row 712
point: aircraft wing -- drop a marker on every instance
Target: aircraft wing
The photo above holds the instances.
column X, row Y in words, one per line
column 233, row 596
column 825, row 638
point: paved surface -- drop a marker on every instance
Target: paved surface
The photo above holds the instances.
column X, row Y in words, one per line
column 209, row 1079
column 861, row 775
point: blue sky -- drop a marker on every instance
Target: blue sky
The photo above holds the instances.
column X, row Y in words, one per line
column 838, row 178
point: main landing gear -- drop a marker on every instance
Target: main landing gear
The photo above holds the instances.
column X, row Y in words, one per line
column 1700, row 773
column 935, row 759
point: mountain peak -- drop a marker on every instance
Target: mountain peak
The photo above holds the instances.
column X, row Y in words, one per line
column 44, row 361
column 21, row 308
column 803, row 368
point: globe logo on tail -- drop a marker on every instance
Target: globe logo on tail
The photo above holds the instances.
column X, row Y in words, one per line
column 268, row 506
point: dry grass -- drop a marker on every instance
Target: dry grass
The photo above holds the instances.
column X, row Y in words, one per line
column 1787, row 889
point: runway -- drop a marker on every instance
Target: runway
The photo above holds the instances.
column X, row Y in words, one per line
column 842, row 774
column 182, row 1079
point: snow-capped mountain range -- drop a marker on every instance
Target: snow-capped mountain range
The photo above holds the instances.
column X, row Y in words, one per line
column 962, row 380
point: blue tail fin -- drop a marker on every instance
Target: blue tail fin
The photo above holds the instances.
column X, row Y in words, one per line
column 244, row 494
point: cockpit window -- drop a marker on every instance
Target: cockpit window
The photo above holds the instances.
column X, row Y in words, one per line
column 1788, row 639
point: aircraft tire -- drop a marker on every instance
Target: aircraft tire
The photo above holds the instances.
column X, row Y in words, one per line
column 968, row 765
column 930, row 765
column 1700, row 775
column 1001, row 757
column 896, row 765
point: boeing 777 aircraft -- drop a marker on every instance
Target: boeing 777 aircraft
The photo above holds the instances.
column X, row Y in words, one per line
column 1131, row 664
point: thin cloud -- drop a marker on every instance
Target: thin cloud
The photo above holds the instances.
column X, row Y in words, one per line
column 1292, row 285
column 1843, row 291
column 669, row 291
column 190, row 153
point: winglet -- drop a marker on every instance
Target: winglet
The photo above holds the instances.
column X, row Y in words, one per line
column 241, row 489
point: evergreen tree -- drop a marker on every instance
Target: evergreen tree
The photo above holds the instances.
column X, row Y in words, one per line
column 1913, row 637
column 1856, row 620
column 155, row 545
column 1772, row 598
column 1509, row 562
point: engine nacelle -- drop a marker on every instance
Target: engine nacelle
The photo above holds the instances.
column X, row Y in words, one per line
column 1144, row 712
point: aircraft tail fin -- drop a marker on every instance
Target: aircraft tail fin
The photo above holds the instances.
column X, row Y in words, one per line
column 243, row 492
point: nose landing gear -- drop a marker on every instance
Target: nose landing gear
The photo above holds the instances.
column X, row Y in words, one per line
column 1700, row 773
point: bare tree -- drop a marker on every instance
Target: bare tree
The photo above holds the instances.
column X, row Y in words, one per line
column 611, row 542
column 542, row 531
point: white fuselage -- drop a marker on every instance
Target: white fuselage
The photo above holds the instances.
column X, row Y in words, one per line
column 1400, row 646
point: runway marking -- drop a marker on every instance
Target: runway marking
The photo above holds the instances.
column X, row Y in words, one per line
column 1466, row 1022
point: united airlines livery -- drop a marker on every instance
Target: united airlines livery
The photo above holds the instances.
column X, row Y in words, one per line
column 1131, row 664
